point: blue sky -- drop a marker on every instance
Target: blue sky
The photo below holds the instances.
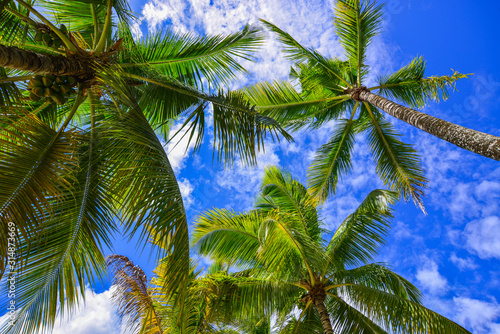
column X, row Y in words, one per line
column 452, row 254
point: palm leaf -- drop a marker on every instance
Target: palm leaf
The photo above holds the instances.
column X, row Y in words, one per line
column 398, row 164
column 332, row 161
column 281, row 101
column 409, row 85
column 298, row 53
column 347, row 320
column 228, row 236
column 136, row 306
column 356, row 23
column 190, row 59
column 36, row 168
column 357, row 239
column 397, row 314
column 67, row 254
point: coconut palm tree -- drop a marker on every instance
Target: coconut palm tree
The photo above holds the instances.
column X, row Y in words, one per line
column 85, row 110
column 206, row 307
column 335, row 89
column 283, row 247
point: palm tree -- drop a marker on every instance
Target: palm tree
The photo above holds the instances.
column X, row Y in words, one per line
column 332, row 88
column 206, row 307
column 281, row 244
column 85, row 109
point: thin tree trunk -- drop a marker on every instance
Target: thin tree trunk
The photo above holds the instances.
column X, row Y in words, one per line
column 19, row 59
column 478, row 142
column 325, row 317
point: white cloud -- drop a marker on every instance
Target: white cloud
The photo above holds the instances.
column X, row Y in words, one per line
column 179, row 146
column 477, row 314
column 463, row 264
column 95, row 316
column 430, row 278
column 307, row 21
column 243, row 181
column 186, row 189
column 483, row 237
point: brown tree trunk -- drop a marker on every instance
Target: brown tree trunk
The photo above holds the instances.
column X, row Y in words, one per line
column 325, row 317
column 19, row 59
column 478, row 142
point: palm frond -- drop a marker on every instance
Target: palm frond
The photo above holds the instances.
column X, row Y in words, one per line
column 36, row 169
column 190, row 59
column 357, row 239
column 409, row 85
column 135, row 303
column 281, row 101
column 397, row 314
column 280, row 190
column 238, row 128
column 228, row 236
column 398, row 164
column 145, row 184
column 347, row 320
column 356, row 23
column 332, row 161
column 378, row 276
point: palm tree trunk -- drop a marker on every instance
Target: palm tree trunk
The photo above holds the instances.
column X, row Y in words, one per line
column 325, row 317
column 19, row 59
column 478, row 142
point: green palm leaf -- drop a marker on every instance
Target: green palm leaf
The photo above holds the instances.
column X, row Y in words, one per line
column 358, row 238
column 332, row 161
column 190, row 59
column 398, row 314
column 356, row 23
column 409, row 85
column 398, row 164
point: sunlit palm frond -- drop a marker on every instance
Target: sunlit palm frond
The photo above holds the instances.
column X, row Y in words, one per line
column 280, row 190
column 358, row 238
column 332, row 161
column 398, row 164
column 410, row 86
column 66, row 253
column 380, row 277
column 298, row 53
column 348, row 320
column 145, row 184
column 238, row 128
column 228, row 236
column 356, row 23
column 132, row 298
column 397, row 314
column 36, row 169
column 190, row 59
column 281, row 101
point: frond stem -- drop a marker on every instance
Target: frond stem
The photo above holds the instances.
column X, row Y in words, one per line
column 105, row 30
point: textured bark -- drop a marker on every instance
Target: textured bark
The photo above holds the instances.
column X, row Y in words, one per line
column 325, row 317
column 475, row 141
column 13, row 57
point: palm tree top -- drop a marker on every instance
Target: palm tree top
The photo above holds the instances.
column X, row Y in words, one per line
column 337, row 89
column 290, row 260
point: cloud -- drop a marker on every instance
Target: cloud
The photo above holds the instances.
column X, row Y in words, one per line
column 186, row 189
column 95, row 316
column 307, row 21
column 463, row 264
column 478, row 315
column 179, row 146
column 430, row 278
column 483, row 237
column 242, row 181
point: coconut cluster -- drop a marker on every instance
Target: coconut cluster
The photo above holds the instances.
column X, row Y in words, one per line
column 49, row 37
column 51, row 87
